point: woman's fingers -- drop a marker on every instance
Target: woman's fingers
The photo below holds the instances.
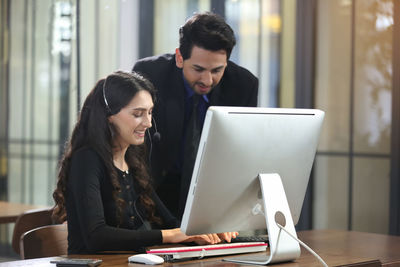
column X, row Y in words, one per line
column 205, row 239
column 227, row 236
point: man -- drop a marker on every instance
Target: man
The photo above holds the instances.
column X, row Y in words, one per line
column 197, row 76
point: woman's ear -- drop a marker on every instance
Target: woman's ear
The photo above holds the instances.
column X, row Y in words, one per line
column 178, row 58
column 111, row 126
column 110, row 119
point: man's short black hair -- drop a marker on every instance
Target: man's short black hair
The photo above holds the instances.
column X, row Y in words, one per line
column 208, row 31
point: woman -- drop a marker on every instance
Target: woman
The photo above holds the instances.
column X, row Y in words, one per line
column 104, row 189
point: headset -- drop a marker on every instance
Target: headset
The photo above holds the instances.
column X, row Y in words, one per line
column 104, row 95
column 156, row 136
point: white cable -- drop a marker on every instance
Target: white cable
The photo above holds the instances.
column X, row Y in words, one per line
column 257, row 209
column 202, row 254
column 304, row 245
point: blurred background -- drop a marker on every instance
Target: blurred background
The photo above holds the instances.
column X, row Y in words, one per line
column 335, row 55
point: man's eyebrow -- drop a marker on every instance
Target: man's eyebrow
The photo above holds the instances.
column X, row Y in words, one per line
column 202, row 68
column 198, row 67
column 218, row 68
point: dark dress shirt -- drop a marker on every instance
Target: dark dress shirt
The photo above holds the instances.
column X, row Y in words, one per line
column 202, row 109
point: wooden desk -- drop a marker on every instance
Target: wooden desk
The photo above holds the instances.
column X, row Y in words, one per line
column 9, row 211
column 334, row 243
column 337, row 248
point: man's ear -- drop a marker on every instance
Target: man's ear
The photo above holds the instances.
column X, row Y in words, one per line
column 178, row 58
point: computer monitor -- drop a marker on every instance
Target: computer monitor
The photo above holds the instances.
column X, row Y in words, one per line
column 237, row 144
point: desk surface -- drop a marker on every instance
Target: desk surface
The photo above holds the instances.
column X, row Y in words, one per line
column 337, row 248
column 9, row 211
column 334, row 243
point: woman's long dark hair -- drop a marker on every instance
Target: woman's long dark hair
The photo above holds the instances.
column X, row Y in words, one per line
column 93, row 130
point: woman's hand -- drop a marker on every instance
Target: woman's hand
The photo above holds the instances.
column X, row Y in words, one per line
column 176, row 236
column 207, row 239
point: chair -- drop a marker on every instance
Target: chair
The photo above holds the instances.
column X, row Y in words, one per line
column 45, row 241
column 29, row 220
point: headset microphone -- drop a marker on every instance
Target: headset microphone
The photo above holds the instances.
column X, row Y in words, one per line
column 156, row 138
column 156, row 135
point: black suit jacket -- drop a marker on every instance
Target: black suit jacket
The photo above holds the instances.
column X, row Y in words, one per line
column 238, row 87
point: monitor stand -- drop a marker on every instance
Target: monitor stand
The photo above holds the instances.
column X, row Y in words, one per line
column 282, row 246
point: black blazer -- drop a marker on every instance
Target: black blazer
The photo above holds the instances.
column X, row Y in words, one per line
column 238, row 87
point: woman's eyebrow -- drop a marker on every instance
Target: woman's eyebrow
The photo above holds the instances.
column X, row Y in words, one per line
column 141, row 108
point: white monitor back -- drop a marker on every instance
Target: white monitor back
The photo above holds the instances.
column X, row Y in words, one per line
column 238, row 143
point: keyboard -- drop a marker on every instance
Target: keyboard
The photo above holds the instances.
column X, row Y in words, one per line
column 177, row 253
column 257, row 238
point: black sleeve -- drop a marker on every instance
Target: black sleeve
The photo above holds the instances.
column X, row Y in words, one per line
column 247, row 82
column 84, row 190
column 169, row 221
column 158, row 69
column 152, row 68
column 238, row 87
column 253, row 93
column 140, row 67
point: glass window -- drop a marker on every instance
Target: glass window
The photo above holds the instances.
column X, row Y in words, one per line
column 333, row 70
column 169, row 16
column 43, row 80
column 373, row 76
column 353, row 85
column 331, row 176
column 257, row 26
column 371, row 195
column 41, row 41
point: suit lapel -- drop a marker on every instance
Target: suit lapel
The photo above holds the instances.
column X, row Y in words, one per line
column 175, row 111
column 214, row 96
